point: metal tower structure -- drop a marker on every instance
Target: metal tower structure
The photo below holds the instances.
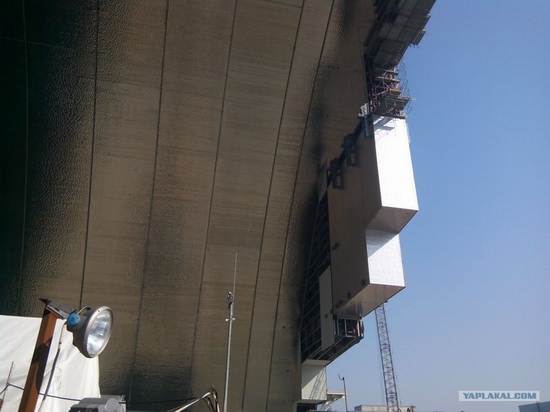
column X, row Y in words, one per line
column 390, row 386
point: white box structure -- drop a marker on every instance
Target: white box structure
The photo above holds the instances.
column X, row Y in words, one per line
column 325, row 302
column 314, row 382
column 376, row 200
column 388, row 183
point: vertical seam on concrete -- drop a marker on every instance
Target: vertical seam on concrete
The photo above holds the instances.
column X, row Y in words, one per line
column 145, row 261
column 18, row 309
column 90, row 182
column 213, row 185
column 267, row 203
column 291, row 207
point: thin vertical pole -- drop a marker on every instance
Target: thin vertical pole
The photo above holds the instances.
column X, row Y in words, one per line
column 343, row 379
column 38, row 362
column 8, row 381
column 230, row 300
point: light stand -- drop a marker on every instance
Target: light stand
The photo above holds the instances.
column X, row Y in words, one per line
column 91, row 331
column 39, row 360
column 343, row 379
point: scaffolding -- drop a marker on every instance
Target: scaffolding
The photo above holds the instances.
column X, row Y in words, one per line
column 400, row 23
column 387, row 92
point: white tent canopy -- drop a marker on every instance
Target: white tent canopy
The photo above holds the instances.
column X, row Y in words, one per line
column 75, row 376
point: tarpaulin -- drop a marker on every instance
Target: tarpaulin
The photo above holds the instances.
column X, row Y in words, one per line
column 74, row 376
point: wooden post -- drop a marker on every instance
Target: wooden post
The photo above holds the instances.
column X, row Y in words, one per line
column 38, row 362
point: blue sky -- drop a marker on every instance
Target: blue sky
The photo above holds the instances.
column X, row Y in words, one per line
column 476, row 311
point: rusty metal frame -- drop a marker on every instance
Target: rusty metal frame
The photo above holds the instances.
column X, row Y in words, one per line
column 39, row 361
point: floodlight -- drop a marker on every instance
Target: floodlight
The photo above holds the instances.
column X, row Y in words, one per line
column 91, row 329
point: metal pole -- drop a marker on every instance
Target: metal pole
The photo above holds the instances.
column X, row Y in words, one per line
column 230, row 300
column 38, row 362
column 345, row 391
column 7, row 384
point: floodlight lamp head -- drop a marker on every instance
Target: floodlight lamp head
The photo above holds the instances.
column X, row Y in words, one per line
column 91, row 329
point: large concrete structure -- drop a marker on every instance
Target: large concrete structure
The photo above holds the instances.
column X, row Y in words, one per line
column 146, row 142
column 535, row 407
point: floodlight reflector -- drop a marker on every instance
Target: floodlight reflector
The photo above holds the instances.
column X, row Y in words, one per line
column 93, row 330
